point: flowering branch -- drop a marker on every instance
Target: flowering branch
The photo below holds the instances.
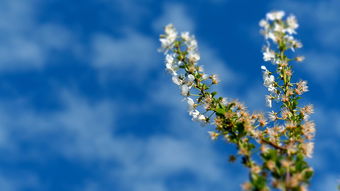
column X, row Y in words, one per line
column 284, row 141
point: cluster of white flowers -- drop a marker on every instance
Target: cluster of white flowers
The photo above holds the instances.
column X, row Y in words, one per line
column 268, row 54
column 273, row 27
column 308, row 148
column 168, row 39
column 280, row 32
column 172, row 64
column 269, row 83
column 268, row 79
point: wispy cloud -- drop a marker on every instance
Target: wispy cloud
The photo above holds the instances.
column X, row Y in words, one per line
column 24, row 42
column 323, row 67
column 87, row 132
column 175, row 14
column 19, row 181
column 135, row 53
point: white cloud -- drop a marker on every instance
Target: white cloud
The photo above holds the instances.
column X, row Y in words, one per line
column 176, row 14
column 255, row 98
column 323, row 67
column 133, row 11
column 25, row 43
column 134, row 52
column 84, row 131
column 19, row 181
column 213, row 64
column 329, row 182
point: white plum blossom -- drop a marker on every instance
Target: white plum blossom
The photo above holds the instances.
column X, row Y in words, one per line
column 169, row 38
column 272, row 36
column 274, row 27
column 272, row 116
column 201, row 118
column 214, row 79
column 169, row 58
column 224, row 101
column 292, row 43
column 197, row 116
column 191, row 78
column 186, row 36
column 301, row 87
column 268, row 80
column 291, row 24
column 193, row 56
column 269, row 83
column 268, row 54
column 170, row 65
column 194, row 113
column 308, row 149
column 263, row 23
column 191, row 104
column 275, row 15
column 192, row 44
column 185, row 90
column 176, row 80
column 269, row 100
column 278, row 28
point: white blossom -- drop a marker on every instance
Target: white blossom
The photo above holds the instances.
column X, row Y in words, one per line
column 271, row 36
column 214, row 79
column 185, row 36
column 171, row 69
column 268, row 54
column 170, row 64
column 263, row 23
column 292, row 43
column 201, row 118
column 224, row 101
column 191, row 78
column 193, row 56
column 272, row 116
column 176, row 80
column 275, row 15
column 194, row 114
column 169, row 58
column 268, row 80
column 192, row 44
column 269, row 100
column 191, row 104
column 197, row 116
column 302, row 87
column 308, row 149
column 185, row 90
column 278, row 28
column 169, row 38
column 291, row 24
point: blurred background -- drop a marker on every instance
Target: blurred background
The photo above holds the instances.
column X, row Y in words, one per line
column 85, row 102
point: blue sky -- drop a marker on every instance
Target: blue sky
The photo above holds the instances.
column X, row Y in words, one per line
column 85, row 103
